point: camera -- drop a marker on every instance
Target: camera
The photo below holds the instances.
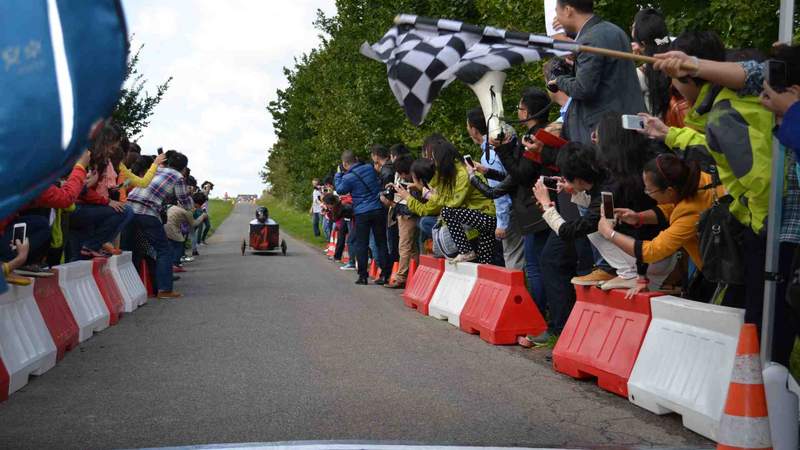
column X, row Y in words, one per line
column 559, row 67
column 389, row 192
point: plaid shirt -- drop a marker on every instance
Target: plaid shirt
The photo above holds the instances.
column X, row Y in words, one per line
column 790, row 225
column 148, row 200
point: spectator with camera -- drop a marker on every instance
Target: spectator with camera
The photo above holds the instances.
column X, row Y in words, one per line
column 406, row 221
column 458, row 204
column 508, row 231
column 339, row 211
column 362, row 182
column 205, row 227
column 381, row 157
column 738, row 142
column 422, row 173
column 599, row 83
column 147, row 204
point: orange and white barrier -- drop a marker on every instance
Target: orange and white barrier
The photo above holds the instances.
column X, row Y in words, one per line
column 686, row 360
column 453, row 291
column 130, row 286
column 83, row 297
column 26, row 347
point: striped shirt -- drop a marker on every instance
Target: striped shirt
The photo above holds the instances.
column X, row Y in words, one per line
column 148, row 200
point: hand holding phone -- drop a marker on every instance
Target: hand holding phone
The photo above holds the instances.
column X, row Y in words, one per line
column 608, row 205
column 20, row 234
column 630, row 122
column 468, row 161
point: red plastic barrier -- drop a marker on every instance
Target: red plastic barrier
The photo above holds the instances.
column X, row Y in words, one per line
column 4, row 382
column 418, row 295
column 602, row 337
column 500, row 309
column 108, row 289
column 56, row 314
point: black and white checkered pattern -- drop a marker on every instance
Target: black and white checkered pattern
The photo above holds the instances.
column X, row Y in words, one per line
column 424, row 55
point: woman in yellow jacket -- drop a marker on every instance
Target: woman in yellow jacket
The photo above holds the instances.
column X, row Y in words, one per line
column 458, row 203
column 127, row 180
column 682, row 192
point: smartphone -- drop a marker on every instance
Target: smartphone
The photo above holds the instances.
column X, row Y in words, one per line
column 468, row 160
column 550, row 139
column 608, row 205
column 160, row 150
column 775, row 75
column 20, row 233
column 630, row 122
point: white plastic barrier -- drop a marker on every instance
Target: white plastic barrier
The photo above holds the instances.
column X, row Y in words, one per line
column 453, row 291
column 133, row 292
column 26, row 346
column 84, row 299
column 686, row 361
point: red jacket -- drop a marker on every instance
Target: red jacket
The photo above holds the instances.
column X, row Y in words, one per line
column 64, row 196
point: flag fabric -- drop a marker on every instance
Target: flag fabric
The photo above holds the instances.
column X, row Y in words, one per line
column 424, row 55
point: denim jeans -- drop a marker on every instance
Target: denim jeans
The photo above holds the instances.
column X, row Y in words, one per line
column 94, row 225
column 177, row 251
column 557, row 272
column 373, row 248
column 372, row 222
column 534, row 245
column 315, row 223
column 153, row 230
column 327, row 227
column 425, row 225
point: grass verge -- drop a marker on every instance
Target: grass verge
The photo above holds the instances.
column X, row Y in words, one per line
column 296, row 223
column 218, row 210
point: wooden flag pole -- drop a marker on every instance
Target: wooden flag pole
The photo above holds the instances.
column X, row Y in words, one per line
column 630, row 56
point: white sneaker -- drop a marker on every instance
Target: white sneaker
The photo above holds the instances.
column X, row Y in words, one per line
column 618, row 283
column 464, row 257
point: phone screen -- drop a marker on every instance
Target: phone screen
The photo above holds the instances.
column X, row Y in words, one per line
column 19, row 233
column 608, row 205
column 776, row 75
column 468, row 160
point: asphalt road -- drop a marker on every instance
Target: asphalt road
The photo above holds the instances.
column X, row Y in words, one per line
column 273, row 348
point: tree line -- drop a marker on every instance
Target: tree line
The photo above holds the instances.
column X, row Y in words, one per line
column 337, row 99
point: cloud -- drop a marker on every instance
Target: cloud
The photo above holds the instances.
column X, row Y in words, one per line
column 227, row 61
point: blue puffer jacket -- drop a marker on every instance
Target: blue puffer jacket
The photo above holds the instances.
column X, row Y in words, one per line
column 362, row 182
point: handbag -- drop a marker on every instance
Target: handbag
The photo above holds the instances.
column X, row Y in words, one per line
column 720, row 236
column 443, row 244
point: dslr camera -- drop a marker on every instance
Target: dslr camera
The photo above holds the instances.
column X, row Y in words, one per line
column 389, row 192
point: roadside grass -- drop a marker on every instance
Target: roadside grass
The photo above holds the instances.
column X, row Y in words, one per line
column 218, row 210
column 294, row 222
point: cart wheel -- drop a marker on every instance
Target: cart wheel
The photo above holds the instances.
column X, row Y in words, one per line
column 283, row 247
column 244, row 246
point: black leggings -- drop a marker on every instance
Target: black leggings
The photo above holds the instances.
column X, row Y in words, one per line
column 484, row 223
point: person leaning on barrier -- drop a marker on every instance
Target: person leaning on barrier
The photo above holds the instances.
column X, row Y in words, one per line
column 738, row 140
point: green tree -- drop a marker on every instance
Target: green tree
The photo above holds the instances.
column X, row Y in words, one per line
column 135, row 104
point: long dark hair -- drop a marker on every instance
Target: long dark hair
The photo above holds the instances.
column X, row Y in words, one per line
column 648, row 26
column 670, row 171
column 109, row 143
column 445, row 157
column 620, row 150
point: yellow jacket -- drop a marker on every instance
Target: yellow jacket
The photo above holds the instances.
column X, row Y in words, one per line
column 682, row 230
column 461, row 195
column 127, row 178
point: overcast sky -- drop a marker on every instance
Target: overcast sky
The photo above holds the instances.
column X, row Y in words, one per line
column 227, row 60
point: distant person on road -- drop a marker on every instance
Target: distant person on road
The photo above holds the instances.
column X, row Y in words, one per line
column 361, row 181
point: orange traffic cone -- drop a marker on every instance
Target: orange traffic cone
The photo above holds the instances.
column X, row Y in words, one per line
column 395, row 268
column 332, row 244
column 346, row 255
column 745, row 421
column 373, row 270
column 412, row 269
column 144, row 274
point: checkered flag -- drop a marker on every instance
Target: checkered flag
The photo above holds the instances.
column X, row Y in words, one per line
column 424, row 55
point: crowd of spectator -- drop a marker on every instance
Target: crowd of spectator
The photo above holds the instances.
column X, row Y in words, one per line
column 114, row 199
column 698, row 165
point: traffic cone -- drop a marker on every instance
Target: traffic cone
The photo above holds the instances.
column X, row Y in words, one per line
column 745, row 421
column 345, row 255
column 412, row 268
column 144, row 274
column 373, row 269
column 395, row 268
column 332, row 244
